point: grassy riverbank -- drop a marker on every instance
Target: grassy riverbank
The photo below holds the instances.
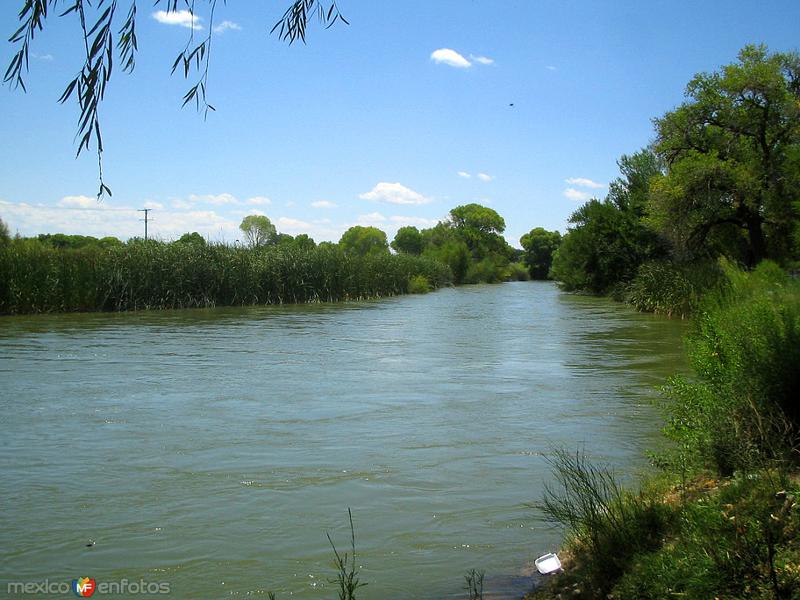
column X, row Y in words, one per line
column 723, row 518
column 37, row 278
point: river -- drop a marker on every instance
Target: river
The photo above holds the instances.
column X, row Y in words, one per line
column 213, row 449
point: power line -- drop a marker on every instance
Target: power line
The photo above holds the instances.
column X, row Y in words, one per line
column 145, row 211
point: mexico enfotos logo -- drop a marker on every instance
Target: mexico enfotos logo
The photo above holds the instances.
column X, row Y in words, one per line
column 85, row 587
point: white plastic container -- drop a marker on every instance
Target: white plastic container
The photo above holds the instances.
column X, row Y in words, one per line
column 548, row 564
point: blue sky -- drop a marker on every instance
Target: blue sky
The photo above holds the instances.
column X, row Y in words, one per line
column 392, row 120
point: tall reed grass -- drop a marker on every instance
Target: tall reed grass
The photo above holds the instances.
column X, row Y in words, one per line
column 668, row 288
column 36, row 277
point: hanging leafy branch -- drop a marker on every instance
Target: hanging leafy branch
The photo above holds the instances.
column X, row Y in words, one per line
column 88, row 87
column 31, row 17
column 292, row 25
column 91, row 82
column 197, row 57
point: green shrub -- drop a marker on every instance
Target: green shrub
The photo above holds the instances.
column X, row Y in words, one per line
column 741, row 409
column 516, row 272
column 491, row 269
column 669, row 288
column 737, row 542
column 419, row 284
column 610, row 525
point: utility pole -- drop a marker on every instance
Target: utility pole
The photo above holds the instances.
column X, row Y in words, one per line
column 145, row 211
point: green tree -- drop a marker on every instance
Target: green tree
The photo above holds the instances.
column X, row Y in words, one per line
column 469, row 242
column 480, row 228
column 284, row 239
column 304, row 242
column 732, row 152
column 453, row 253
column 64, row 240
column 5, row 236
column 193, row 238
column 631, row 192
column 408, row 240
column 595, row 255
column 608, row 240
column 604, row 247
column 363, row 241
column 539, row 245
column 477, row 218
column 258, row 230
column 110, row 242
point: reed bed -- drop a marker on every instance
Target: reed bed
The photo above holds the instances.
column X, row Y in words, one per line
column 671, row 289
column 38, row 278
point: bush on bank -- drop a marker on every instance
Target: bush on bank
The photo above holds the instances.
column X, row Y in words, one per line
column 669, row 288
column 725, row 522
column 740, row 411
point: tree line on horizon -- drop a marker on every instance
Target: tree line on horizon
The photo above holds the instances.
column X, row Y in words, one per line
column 469, row 242
column 59, row 272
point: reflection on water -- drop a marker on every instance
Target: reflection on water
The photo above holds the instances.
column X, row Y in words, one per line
column 213, row 449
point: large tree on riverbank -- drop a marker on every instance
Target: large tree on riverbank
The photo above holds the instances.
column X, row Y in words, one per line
column 732, row 152
column 608, row 240
column 538, row 246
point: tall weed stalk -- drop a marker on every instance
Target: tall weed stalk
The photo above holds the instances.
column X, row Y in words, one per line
column 346, row 580
column 474, row 580
column 609, row 524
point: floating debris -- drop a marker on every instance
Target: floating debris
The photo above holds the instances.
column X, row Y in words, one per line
column 548, row 564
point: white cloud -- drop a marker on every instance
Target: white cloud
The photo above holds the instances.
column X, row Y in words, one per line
column 551, row 68
column 371, row 218
column 44, row 57
column 484, row 60
column 576, row 195
column 402, row 221
column 485, row 177
column 394, row 193
column 258, row 201
column 250, row 211
column 289, row 204
column 180, row 204
column 79, row 202
column 320, row 230
column 323, row 204
column 464, row 174
column 227, row 26
column 85, row 216
column 215, row 199
column 182, row 18
column 450, row 57
column 584, row 182
column 154, row 205
column 292, row 226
